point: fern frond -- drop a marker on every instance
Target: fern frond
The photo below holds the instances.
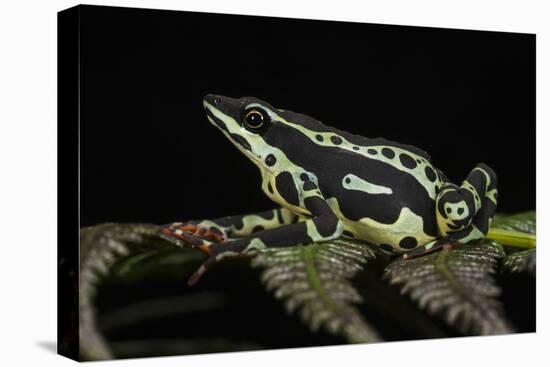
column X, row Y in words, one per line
column 457, row 285
column 100, row 247
column 315, row 279
column 521, row 261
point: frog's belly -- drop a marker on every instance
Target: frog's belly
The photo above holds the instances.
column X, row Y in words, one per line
column 406, row 233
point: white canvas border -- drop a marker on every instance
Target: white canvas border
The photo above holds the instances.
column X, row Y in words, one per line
column 28, row 180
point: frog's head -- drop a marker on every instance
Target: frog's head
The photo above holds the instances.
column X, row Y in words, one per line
column 256, row 128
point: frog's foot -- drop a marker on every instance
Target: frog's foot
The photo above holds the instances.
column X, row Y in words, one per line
column 443, row 243
column 198, row 235
column 217, row 252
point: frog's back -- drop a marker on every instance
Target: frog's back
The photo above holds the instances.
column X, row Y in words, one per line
column 383, row 191
column 314, row 126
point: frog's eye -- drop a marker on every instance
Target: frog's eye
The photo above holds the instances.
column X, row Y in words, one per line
column 255, row 119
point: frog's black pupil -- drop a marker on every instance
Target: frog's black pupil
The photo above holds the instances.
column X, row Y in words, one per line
column 254, row 119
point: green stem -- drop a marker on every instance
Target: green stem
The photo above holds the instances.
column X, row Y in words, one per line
column 512, row 238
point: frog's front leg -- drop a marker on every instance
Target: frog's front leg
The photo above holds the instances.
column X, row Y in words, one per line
column 202, row 234
column 323, row 225
column 464, row 213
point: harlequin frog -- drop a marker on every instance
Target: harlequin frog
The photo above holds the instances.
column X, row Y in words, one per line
column 329, row 183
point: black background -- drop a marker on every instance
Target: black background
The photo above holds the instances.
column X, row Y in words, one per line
column 148, row 154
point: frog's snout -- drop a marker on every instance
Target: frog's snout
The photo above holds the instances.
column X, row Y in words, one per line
column 222, row 111
column 213, row 100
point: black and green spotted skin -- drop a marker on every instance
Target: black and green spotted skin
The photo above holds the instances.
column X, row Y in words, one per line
column 329, row 183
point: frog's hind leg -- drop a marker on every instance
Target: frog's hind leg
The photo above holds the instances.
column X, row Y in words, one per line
column 463, row 213
column 485, row 214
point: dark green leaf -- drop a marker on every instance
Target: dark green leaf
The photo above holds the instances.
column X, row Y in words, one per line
column 522, row 222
